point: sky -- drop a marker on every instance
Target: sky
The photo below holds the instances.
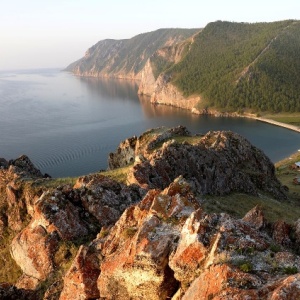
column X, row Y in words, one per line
column 54, row 33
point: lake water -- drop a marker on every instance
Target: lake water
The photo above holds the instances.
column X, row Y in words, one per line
column 67, row 125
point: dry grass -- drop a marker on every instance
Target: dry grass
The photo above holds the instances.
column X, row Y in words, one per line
column 239, row 204
column 9, row 271
column 119, row 174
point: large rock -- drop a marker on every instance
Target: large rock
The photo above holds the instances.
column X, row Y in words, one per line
column 132, row 148
column 124, row 155
column 33, row 249
column 24, row 167
column 136, row 251
column 104, row 198
column 219, row 163
column 18, row 204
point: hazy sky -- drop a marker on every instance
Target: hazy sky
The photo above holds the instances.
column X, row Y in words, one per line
column 54, row 33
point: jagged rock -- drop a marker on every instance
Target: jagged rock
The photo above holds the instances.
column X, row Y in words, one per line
column 141, row 147
column 57, row 214
column 105, row 198
column 3, row 163
column 17, row 211
column 81, row 280
column 219, row 281
column 256, row 218
column 283, row 289
column 220, row 163
column 206, row 240
column 24, row 167
column 18, row 203
column 124, row 155
column 136, row 251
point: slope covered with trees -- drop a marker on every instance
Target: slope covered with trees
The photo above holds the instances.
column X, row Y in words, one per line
column 231, row 66
column 234, row 66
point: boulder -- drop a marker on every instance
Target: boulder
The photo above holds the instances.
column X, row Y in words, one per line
column 256, row 218
column 33, row 249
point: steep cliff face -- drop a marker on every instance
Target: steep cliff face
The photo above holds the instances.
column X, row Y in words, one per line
column 157, row 84
column 126, row 58
column 99, row 239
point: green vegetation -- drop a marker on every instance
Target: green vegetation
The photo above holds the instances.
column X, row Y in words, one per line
column 246, row 267
column 52, row 183
column 239, row 204
column 288, row 118
column 236, row 66
column 119, row 174
column 290, row 270
column 129, row 232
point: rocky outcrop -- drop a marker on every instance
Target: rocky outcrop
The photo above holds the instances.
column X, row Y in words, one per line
column 217, row 163
column 126, row 58
column 166, row 247
column 100, row 239
column 135, row 148
column 125, row 154
column 137, row 249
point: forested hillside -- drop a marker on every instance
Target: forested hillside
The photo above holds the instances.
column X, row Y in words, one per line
column 234, row 66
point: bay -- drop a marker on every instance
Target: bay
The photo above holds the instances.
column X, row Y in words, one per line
column 67, row 125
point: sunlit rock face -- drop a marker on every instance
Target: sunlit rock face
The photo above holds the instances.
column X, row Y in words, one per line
column 136, row 251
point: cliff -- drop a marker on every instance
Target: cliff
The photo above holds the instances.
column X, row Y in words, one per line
column 151, row 238
column 126, row 58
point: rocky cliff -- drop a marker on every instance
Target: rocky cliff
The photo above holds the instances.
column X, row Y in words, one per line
column 126, row 58
column 151, row 238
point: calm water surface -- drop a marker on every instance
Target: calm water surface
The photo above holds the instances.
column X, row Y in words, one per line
column 67, row 125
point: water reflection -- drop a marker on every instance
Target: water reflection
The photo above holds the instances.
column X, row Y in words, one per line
column 111, row 88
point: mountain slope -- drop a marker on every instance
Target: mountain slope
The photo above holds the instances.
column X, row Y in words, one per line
column 226, row 67
column 238, row 65
column 126, row 58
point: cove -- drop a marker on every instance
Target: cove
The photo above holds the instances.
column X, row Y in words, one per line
column 67, row 125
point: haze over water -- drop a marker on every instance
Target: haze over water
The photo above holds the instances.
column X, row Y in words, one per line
column 67, row 125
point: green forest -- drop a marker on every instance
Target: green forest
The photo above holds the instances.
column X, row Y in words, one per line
column 238, row 66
